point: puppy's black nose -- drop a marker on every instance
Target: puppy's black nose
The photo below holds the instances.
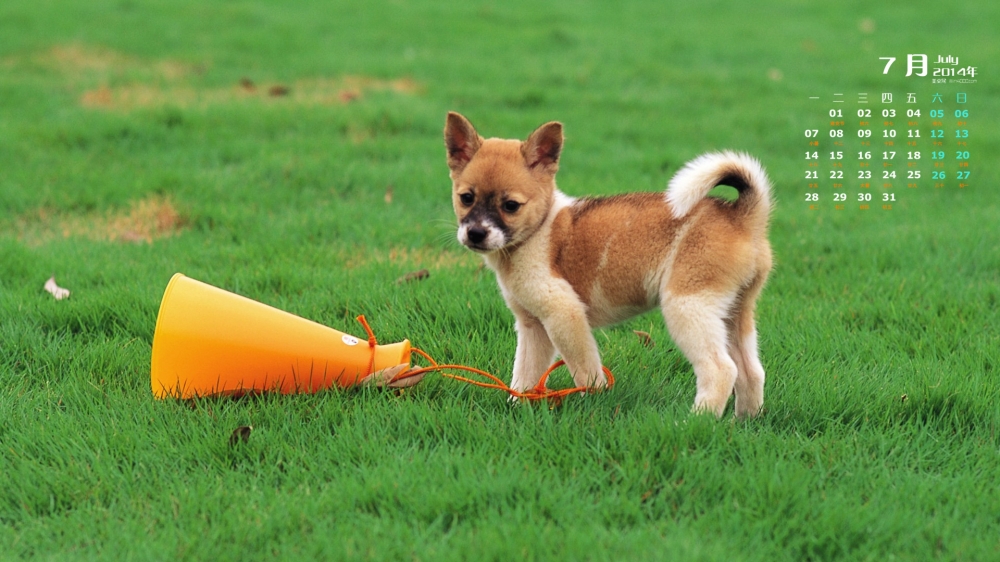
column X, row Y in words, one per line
column 476, row 234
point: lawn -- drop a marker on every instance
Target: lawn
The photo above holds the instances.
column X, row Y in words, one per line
column 292, row 153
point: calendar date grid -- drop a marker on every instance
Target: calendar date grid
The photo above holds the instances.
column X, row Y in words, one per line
column 867, row 153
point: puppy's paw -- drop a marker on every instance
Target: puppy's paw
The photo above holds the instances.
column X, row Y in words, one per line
column 593, row 383
column 744, row 411
column 705, row 405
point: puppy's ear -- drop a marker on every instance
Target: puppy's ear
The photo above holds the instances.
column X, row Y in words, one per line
column 542, row 149
column 461, row 140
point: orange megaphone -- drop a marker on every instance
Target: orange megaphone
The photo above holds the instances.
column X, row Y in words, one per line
column 209, row 341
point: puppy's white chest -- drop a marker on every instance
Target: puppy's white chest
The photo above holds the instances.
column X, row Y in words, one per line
column 534, row 289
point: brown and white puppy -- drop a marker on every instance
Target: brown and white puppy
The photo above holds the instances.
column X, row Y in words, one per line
column 568, row 265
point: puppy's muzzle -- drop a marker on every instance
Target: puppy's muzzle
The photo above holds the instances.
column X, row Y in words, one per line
column 476, row 235
column 481, row 236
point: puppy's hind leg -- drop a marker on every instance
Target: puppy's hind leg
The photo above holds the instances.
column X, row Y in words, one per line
column 743, row 349
column 698, row 327
column 750, row 373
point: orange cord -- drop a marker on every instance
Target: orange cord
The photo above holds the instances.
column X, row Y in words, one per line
column 372, row 342
column 539, row 392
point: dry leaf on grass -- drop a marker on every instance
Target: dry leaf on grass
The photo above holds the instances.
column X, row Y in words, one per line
column 644, row 338
column 55, row 290
column 414, row 276
column 387, row 377
column 240, row 435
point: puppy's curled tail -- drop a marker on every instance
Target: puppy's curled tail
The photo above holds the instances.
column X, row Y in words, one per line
column 693, row 182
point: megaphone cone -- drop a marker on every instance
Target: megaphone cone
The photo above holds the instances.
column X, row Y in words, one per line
column 209, row 341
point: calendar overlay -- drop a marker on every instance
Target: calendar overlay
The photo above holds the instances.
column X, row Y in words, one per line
column 867, row 149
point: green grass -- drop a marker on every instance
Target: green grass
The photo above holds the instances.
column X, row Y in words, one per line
column 878, row 330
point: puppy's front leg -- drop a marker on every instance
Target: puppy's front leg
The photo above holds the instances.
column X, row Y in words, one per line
column 534, row 352
column 569, row 330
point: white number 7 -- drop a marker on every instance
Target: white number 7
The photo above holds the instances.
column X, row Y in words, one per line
column 888, row 64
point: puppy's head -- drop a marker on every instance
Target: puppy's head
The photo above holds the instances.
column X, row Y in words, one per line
column 502, row 190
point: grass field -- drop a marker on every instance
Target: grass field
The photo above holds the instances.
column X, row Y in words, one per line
column 292, row 153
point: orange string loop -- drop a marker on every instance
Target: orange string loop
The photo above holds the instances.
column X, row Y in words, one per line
column 539, row 392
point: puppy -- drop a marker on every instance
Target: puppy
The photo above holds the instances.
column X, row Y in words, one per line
column 566, row 266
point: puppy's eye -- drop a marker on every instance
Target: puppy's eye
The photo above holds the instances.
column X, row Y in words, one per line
column 467, row 198
column 511, row 206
